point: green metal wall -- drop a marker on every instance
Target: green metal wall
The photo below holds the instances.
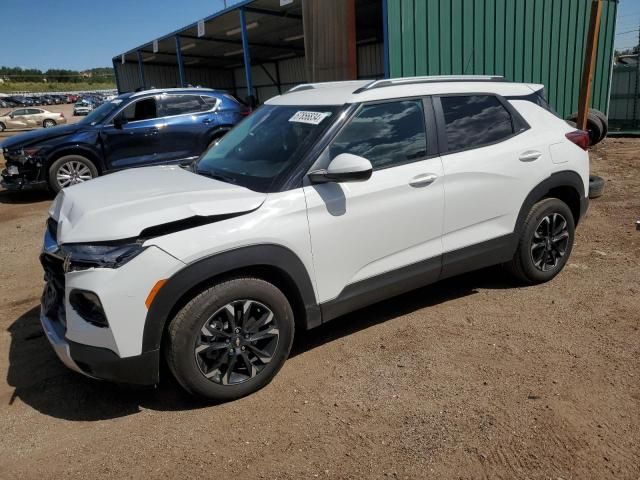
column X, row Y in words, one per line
column 539, row 41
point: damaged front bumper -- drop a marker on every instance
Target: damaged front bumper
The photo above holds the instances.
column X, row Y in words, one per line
column 22, row 172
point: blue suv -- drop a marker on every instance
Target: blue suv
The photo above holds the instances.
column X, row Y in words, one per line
column 150, row 127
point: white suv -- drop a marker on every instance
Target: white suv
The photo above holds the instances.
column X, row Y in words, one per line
column 326, row 199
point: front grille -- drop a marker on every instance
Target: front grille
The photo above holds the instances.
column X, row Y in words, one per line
column 53, row 295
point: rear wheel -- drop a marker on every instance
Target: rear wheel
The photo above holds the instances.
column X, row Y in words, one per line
column 2, row 127
column 48, row 123
column 231, row 339
column 71, row 170
column 545, row 242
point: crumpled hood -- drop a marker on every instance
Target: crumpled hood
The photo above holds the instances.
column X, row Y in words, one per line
column 121, row 205
column 39, row 135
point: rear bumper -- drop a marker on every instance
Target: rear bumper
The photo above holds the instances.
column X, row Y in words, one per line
column 101, row 363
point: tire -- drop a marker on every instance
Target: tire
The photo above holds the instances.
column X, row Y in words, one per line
column 48, row 123
column 596, row 186
column 604, row 120
column 2, row 127
column 538, row 260
column 82, row 166
column 200, row 347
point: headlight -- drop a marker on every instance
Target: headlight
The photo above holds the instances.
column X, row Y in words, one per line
column 30, row 151
column 82, row 256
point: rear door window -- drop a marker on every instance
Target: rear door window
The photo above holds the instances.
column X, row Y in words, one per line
column 210, row 101
column 473, row 121
column 183, row 105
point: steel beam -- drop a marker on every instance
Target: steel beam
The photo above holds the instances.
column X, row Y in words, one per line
column 115, row 73
column 141, row 70
column 181, row 74
column 239, row 42
column 246, row 53
column 385, row 33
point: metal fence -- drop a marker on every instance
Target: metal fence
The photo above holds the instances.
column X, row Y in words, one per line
column 624, row 107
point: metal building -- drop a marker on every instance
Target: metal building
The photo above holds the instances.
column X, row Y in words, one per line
column 264, row 47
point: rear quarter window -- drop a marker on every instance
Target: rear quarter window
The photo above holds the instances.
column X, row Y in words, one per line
column 473, row 121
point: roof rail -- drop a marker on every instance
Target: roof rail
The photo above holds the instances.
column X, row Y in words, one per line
column 311, row 86
column 170, row 89
column 389, row 82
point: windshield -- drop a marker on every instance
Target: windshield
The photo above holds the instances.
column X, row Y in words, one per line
column 266, row 145
column 99, row 114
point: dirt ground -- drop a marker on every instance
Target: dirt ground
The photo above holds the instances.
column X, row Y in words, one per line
column 469, row 378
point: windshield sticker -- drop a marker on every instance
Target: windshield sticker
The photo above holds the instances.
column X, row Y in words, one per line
column 312, row 118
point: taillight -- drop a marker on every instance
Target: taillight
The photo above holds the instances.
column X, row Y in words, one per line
column 580, row 138
column 245, row 113
column 62, row 114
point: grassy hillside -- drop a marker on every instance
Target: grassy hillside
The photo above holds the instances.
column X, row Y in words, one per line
column 10, row 87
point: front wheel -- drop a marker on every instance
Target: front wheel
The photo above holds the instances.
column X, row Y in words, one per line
column 545, row 242
column 2, row 127
column 231, row 339
column 71, row 170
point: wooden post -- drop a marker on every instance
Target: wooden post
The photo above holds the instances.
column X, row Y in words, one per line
column 589, row 63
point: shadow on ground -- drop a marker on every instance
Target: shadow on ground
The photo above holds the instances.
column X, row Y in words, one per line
column 41, row 381
column 24, row 197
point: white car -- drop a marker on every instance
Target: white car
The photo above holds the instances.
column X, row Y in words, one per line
column 326, row 199
column 82, row 108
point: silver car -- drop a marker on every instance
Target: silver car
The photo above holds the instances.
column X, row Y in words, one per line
column 26, row 118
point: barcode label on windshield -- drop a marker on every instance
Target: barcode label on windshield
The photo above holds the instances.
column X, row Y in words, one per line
column 313, row 118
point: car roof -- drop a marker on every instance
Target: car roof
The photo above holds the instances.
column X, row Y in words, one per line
column 356, row 91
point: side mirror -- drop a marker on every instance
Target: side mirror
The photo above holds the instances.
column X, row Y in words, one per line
column 344, row 168
column 119, row 122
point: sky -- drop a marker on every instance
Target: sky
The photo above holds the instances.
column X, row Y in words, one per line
column 627, row 24
column 81, row 34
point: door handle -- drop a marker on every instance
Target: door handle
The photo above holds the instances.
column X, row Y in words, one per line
column 207, row 121
column 530, row 156
column 423, row 180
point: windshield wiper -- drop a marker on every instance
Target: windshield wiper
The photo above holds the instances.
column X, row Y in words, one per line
column 217, row 176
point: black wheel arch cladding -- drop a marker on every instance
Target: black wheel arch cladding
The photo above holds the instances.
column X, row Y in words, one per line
column 559, row 184
column 195, row 276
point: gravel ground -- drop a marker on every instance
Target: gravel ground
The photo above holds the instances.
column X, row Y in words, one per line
column 469, row 378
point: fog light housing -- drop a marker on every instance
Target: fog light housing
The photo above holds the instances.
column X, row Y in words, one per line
column 88, row 306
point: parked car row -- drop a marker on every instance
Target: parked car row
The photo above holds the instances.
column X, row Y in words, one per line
column 45, row 99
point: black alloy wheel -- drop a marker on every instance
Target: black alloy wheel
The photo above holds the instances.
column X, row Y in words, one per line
column 237, row 342
column 550, row 242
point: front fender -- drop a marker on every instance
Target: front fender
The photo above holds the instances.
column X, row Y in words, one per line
column 86, row 146
column 194, row 275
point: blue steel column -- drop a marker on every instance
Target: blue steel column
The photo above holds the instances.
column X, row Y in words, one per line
column 115, row 73
column 141, row 69
column 180, row 62
column 385, row 35
column 245, row 51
